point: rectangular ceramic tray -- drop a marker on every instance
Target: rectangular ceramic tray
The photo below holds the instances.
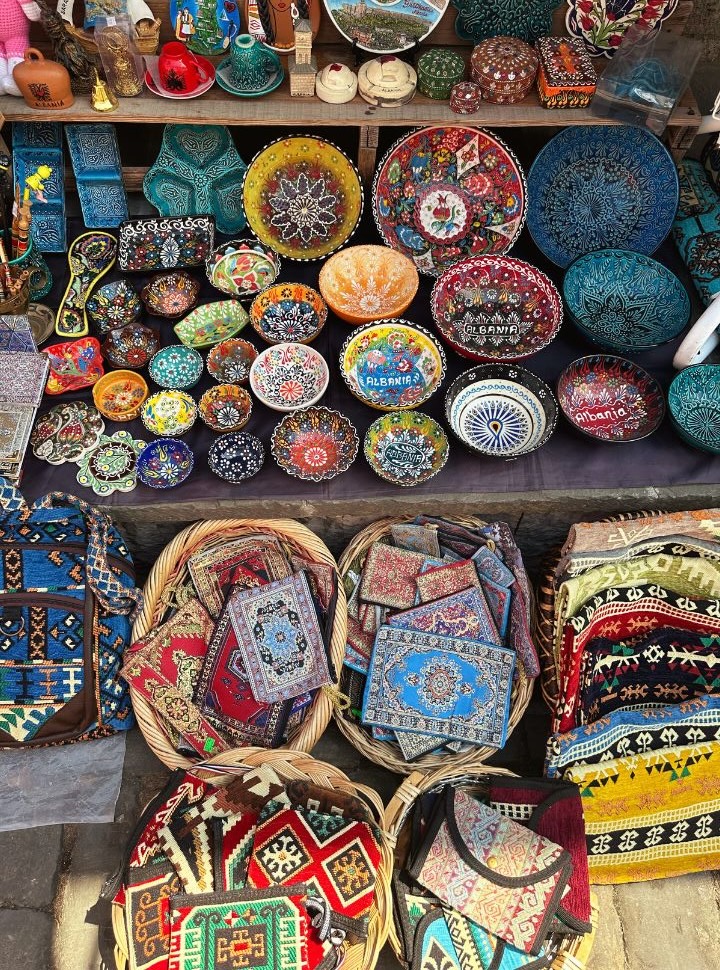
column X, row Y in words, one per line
column 96, row 163
column 35, row 144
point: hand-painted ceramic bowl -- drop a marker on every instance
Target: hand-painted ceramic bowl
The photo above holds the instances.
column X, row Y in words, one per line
column 170, row 295
column 625, row 301
column 496, row 308
column 225, row 407
column 229, row 362
column 610, row 398
column 288, row 313
column 164, row 463
column 315, row 444
column 500, row 410
column 406, row 447
column 242, row 267
column 694, row 405
column 114, row 305
column 365, row 283
column 236, row 457
column 392, row 364
column 289, row 376
column 177, row 367
column 131, row 346
column 73, row 364
column 210, row 323
column 169, row 413
column 120, row 394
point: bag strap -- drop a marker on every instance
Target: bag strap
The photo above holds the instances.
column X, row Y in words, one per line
column 112, row 595
column 10, row 498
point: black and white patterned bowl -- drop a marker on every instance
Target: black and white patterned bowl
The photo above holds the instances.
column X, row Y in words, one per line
column 236, row 457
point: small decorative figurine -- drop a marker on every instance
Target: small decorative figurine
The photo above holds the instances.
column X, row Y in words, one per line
column 336, row 84
column 67, row 50
column 302, row 66
column 15, row 17
column 387, row 81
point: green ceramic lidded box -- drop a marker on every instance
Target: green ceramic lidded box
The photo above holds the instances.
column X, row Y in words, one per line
column 438, row 70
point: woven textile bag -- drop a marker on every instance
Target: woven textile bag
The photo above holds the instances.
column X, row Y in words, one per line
column 67, row 597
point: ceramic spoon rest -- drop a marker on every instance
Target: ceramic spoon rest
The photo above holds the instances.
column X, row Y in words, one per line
column 90, row 256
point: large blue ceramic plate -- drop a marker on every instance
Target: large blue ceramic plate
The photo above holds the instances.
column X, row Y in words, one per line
column 594, row 187
column 694, row 405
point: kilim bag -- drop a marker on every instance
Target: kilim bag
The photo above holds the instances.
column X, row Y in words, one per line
column 67, row 595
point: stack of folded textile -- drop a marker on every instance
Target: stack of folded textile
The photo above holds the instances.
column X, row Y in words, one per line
column 636, row 645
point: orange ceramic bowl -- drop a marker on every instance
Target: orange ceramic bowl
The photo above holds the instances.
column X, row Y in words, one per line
column 225, row 407
column 361, row 284
column 120, row 394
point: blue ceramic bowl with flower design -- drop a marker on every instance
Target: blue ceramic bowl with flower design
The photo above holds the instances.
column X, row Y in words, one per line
column 164, row 463
column 694, row 406
column 288, row 313
column 235, row 457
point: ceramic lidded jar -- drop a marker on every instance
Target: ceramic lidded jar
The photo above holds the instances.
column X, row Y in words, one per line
column 505, row 69
column 387, row 82
column 465, row 98
column 44, row 84
column 438, row 70
column 336, row 84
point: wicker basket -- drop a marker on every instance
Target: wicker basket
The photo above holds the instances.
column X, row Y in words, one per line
column 383, row 752
column 147, row 37
column 574, row 951
column 170, row 574
column 291, row 766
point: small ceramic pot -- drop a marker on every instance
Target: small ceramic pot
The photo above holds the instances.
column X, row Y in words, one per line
column 438, row 70
column 225, row 407
column 44, row 84
column 465, row 98
column 120, row 395
column 387, row 82
column 252, row 68
column 164, row 463
column 505, row 68
column 336, row 84
column 288, row 313
column 170, row 295
column 131, row 346
column 113, row 305
column 229, row 362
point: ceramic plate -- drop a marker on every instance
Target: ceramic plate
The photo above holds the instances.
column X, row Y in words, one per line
column 601, row 187
column 66, row 432
column 110, row 465
column 176, row 366
column 236, row 457
column 303, row 197
column 288, row 313
column 365, row 283
column 289, row 376
column 207, row 69
column 210, row 323
column 386, row 26
column 694, row 405
column 602, row 25
column 229, row 362
column 443, row 194
column 120, row 394
column 164, row 463
column 315, row 444
column 224, row 73
column 169, row 413
column 406, row 447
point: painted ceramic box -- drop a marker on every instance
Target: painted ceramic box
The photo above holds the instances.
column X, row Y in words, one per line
column 566, row 77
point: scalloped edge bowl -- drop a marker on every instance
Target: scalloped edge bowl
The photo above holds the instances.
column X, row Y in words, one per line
column 342, row 267
column 319, row 362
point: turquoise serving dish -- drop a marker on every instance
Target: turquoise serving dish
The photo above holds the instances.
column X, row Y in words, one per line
column 694, row 406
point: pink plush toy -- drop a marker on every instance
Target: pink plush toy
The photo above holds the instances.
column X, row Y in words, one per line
column 15, row 17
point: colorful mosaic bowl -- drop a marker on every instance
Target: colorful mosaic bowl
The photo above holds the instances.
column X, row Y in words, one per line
column 114, row 305
column 74, row 364
column 169, row 413
column 500, row 410
column 210, row 323
column 286, row 377
column 406, row 447
column 177, row 367
column 315, row 444
column 120, row 394
column 242, row 267
column 288, row 313
column 236, row 457
column 131, row 346
column 170, row 295
column 365, row 283
column 625, row 301
column 229, row 362
column 694, row 405
column 496, row 308
column 610, row 398
column 225, row 407
column 392, row 365
column 164, row 463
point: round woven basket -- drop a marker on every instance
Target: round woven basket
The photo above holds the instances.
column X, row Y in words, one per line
column 383, row 752
column 170, row 575
column 294, row 766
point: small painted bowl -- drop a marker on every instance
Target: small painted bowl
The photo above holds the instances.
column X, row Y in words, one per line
column 236, row 457
column 610, row 398
column 286, row 377
column 406, row 447
column 625, row 301
column 242, row 267
column 229, row 362
column 131, row 346
column 170, row 295
column 288, row 313
column 392, row 365
column 315, row 444
column 177, row 367
column 120, row 394
column 73, row 364
column 210, row 323
column 365, row 283
column 225, row 407
column 169, row 413
column 164, row 463
column 500, row 410
column 694, row 405
column 114, row 305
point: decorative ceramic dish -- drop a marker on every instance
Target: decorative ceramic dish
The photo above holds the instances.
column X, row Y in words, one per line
column 505, row 68
column 476, row 20
column 153, row 244
column 229, row 362
column 496, row 308
column 169, row 413
column 602, row 25
column 164, row 463
column 42, row 322
column 445, row 193
column 406, row 447
column 73, row 365
column 694, row 405
column 66, row 432
column 289, row 376
column 225, row 407
column 625, row 301
column 392, row 364
column 177, row 367
column 365, row 283
column 303, row 197
column 610, row 398
column 114, row 305
column 251, row 70
column 242, row 267
column 110, row 466
column 211, row 323
column 120, row 394
column 500, row 410
column 170, row 295
column 131, row 346
column 315, row 444
column 236, row 457
column 288, row 313
column 384, row 27
column 601, row 187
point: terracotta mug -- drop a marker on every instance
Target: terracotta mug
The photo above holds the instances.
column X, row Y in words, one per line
column 179, row 69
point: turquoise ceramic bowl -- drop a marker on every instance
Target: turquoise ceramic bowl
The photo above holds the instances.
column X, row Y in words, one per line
column 694, row 406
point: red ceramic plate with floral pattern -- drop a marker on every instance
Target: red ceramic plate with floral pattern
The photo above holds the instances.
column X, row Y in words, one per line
column 315, row 444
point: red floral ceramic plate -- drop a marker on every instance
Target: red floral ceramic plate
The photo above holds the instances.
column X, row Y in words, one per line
column 315, row 444
column 73, row 364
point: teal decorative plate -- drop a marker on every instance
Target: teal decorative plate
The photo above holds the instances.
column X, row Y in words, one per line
column 694, row 405
column 479, row 19
column 176, row 366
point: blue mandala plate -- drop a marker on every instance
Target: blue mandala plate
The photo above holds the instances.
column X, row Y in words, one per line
column 595, row 187
column 694, row 405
